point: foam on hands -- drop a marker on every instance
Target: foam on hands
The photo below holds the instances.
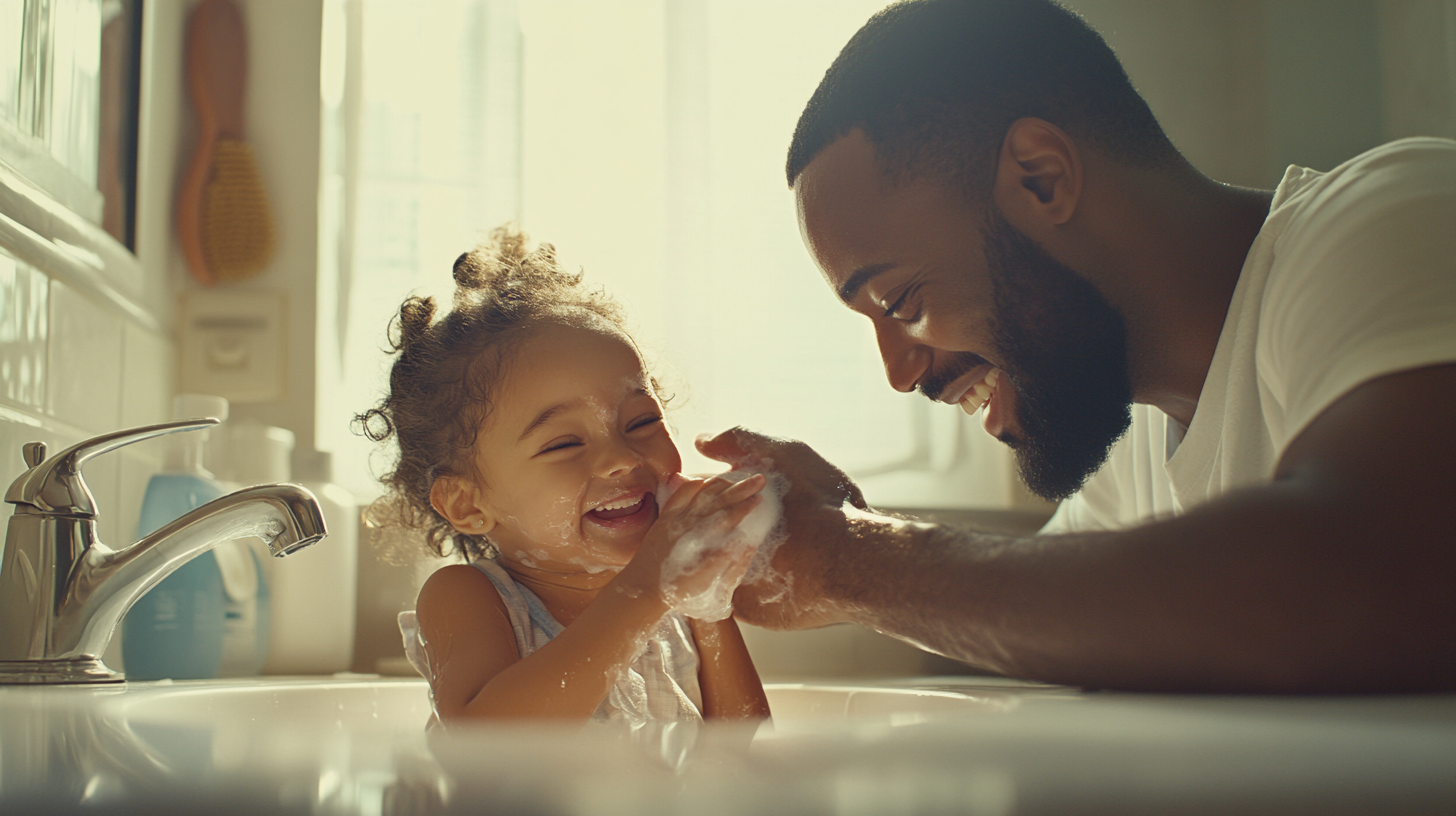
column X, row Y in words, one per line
column 754, row 539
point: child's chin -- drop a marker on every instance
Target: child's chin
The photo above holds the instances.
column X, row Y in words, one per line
column 627, row 542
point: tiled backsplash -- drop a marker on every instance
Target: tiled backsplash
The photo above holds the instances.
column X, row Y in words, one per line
column 73, row 367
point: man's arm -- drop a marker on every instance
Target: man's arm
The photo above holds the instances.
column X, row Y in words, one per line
column 1339, row 576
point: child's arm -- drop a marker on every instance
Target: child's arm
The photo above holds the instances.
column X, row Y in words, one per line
column 471, row 648
column 478, row 671
column 730, row 683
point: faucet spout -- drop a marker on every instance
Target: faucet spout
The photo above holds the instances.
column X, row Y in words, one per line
column 56, row 630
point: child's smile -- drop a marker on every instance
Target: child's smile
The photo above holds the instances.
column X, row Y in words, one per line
column 629, row 510
column 572, row 454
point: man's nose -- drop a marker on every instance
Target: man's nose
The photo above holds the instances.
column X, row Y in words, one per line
column 905, row 360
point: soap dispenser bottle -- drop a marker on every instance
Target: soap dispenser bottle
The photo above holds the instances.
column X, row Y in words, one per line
column 314, row 592
column 175, row 630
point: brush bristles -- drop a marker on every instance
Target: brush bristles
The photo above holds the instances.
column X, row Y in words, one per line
column 237, row 228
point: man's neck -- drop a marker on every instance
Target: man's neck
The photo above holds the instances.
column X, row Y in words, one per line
column 1177, row 244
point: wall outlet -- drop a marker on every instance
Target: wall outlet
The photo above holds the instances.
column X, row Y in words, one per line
column 233, row 343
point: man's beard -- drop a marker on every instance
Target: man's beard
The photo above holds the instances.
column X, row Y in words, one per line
column 1064, row 350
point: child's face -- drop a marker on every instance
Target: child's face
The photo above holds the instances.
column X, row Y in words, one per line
column 573, row 452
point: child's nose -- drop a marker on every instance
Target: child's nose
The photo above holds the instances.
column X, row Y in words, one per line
column 618, row 460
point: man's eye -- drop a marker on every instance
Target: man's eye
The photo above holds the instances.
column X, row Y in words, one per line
column 893, row 310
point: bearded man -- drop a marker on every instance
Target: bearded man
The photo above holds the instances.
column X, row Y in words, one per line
column 1244, row 397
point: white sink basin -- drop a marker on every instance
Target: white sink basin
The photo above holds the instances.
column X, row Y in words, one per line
column 403, row 705
column 357, row 746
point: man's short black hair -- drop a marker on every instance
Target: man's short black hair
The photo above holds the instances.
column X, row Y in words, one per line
column 935, row 84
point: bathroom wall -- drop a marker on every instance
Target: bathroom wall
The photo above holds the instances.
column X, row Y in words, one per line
column 1247, row 87
column 85, row 325
column 87, row 329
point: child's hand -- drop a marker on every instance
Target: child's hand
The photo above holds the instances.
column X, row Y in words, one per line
column 699, row 512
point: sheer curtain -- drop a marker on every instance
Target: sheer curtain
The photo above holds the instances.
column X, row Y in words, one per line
column 646, row 139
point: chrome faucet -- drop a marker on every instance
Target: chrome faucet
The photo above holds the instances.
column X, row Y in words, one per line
column 63, row 592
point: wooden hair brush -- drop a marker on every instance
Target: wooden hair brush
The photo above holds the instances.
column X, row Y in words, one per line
column 223, row 220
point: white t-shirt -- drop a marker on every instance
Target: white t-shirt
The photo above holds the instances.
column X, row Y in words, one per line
column 1352, row 277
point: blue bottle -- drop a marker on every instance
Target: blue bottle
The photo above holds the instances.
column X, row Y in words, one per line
column 176, row 629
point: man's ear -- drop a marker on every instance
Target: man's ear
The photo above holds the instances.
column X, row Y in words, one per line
column 459, row 500
column 1038, row 176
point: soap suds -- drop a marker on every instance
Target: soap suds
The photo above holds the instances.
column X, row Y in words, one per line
column 753, row 540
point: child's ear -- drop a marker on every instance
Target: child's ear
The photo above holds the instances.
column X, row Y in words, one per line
column 459, row 501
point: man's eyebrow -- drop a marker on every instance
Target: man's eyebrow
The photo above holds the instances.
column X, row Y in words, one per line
column 859, row 278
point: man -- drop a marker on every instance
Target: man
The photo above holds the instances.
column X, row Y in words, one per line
column 1272, row 373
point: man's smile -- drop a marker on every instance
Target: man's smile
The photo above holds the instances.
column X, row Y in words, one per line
column 954, row 392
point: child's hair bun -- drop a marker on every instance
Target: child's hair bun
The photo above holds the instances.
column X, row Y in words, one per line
column 471, row 270
column 509, row 272
column 499, row 261
column 413, row 323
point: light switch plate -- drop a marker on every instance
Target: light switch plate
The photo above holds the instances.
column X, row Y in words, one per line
column 234, row 344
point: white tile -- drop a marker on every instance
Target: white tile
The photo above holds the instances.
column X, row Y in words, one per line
column 147, row 377
column 85, row 361
column 23, row 331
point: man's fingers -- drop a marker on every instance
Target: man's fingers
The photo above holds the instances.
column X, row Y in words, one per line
column 735, row 446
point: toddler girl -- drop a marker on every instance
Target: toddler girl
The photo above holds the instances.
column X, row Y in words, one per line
column 531, row 443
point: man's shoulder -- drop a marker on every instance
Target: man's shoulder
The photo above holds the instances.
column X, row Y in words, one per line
column 1378, row 179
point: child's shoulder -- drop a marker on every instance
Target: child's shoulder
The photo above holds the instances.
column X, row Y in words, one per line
column 459, row 589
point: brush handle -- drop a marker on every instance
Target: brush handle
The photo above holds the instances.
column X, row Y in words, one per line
column 217, row 68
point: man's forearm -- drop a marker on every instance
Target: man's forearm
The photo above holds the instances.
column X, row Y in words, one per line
column 1260, row 591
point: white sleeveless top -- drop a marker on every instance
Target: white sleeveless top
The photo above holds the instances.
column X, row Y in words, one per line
column 661, row 684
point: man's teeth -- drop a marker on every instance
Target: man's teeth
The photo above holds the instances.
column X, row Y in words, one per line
column 980, row 392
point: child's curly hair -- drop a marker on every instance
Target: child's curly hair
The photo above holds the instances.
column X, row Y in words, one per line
column 447, row 371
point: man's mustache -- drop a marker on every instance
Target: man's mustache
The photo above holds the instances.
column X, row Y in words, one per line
column 933, row 385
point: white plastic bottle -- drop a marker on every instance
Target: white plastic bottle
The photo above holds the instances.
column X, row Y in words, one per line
column 314, row 590
column 255, row 454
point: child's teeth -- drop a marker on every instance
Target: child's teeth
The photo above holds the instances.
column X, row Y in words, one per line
column 972, row 403
column 983, row 391
column 618, row 505
column 993, row 377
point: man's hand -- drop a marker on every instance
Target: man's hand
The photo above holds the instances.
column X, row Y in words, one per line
column 792, row 595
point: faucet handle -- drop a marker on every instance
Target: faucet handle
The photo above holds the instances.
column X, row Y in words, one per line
column 55, row 485
column 34, row 453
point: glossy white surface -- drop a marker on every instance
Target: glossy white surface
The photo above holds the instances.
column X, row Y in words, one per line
column 352, row 746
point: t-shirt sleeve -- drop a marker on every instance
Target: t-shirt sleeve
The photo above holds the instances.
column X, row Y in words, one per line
column 1367, row 282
